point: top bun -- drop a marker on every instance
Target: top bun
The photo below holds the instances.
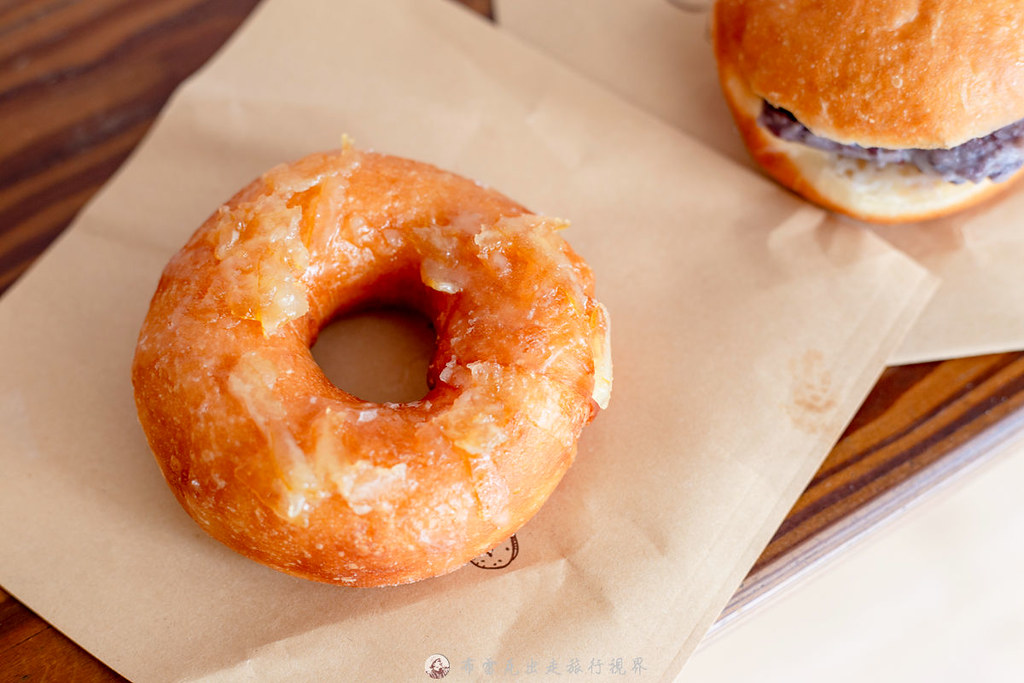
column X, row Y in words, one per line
column 895, row 74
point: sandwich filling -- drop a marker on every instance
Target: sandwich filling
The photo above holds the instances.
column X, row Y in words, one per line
column 995, row 156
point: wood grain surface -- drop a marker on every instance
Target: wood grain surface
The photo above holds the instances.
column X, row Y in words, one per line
column 82, row 81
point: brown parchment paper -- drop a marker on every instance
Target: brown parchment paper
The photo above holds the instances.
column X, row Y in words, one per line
column 746, row 332
column 658, row 56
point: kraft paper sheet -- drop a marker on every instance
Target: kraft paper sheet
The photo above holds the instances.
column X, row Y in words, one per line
column 657, row 55
column 747, row 330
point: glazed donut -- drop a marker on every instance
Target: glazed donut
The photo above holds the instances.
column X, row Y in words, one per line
column 274, row 461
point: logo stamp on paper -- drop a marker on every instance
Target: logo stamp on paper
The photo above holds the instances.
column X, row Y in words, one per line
column 500, row 556
column 812, row 394
column 437, row 666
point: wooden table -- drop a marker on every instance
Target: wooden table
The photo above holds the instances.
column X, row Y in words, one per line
column 82, row 81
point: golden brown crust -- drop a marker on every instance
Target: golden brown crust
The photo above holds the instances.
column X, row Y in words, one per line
column 277, row 463
column 900, row 74
column 893, row 194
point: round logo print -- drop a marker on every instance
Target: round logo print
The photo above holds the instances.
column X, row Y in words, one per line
column 499, row 557
column 437, row 666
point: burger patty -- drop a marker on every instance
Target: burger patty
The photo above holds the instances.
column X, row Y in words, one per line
column 996, row 155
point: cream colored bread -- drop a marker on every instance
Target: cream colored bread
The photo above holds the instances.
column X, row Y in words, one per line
column 897, row 75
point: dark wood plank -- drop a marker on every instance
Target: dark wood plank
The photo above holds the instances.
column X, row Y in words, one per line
column 80, row 84
column 32, row 651
column 481, row 7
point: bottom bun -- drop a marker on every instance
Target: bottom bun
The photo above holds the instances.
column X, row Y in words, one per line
column 897, row 193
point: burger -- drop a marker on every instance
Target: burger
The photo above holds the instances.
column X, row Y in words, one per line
column 887, row 111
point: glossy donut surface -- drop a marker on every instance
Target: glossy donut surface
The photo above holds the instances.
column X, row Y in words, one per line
column 276, row 462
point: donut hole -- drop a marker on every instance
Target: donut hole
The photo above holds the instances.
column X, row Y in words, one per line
column 379, row 355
